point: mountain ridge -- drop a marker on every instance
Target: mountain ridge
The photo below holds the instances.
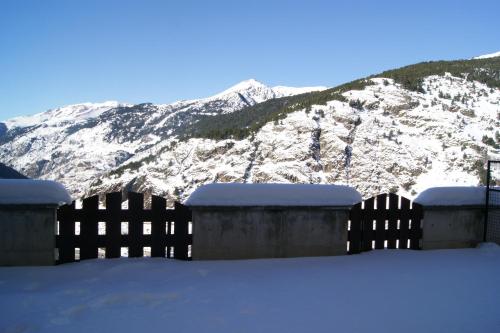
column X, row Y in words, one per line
column 399, row 131
column 247, row 87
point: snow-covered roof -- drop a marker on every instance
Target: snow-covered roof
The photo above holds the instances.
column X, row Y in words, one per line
column 234, row 194
column 452, row 196
column 30, row 191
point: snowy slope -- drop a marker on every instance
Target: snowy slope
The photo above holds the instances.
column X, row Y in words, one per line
column 400, row 141
column 282, row 91
column 378, row 138
column 76, row 112
column 383, row 291
column 77, row 143
column 490, row 55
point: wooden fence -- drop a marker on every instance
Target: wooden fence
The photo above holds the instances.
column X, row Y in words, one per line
column 385, row 221
column 112, row 232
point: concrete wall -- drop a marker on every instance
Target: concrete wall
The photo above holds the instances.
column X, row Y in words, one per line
column 27, row 235
column 264, row 232
column 452, row 227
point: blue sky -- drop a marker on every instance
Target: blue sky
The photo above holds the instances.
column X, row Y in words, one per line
column 54, row 53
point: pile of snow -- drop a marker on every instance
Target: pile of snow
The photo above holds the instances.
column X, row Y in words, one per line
column 30, row 191
column 235, row 194
column 490, row 55
column 381, row 291
column 452, row 196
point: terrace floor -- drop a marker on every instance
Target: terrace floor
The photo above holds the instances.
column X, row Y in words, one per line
column 379, row 291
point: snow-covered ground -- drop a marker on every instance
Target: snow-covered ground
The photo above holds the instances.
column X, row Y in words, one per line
column 380, row 291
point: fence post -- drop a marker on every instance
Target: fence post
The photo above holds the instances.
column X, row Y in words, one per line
column 355, row 232
column 182, row 216
column 135, row 224
column 65, row 240
column 487, row 203
column 393, row 217
column 367, row 216
column 416, row 226
column 113, row 224
column 158, row 224
column 88, row 228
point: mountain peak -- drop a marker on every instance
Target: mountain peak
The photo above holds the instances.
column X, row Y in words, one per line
column 246, row 85
column 259, row 92
column 250, row 82
column 249, row 92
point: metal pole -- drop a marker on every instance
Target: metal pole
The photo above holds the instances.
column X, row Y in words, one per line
column 487, row 201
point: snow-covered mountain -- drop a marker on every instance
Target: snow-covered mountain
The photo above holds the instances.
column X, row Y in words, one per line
column 76, row 144
column 400, row 131
column 71, row 113
column 251, row 92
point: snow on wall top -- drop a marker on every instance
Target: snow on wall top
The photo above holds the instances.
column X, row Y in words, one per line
column 452, row 196
column 234, row 194
column 30, row 191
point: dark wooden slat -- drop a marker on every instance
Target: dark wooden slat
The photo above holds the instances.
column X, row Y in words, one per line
column 65, row 239
column 355, row 232
column 135, row 224
column 380, row 221
column 416, row 231
column 113, row 224
column 367, row 219
column 392, row 232
column 158, row 220
column 88, row 228
column 169, row 215
column 404, row 224
column 182, row 217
